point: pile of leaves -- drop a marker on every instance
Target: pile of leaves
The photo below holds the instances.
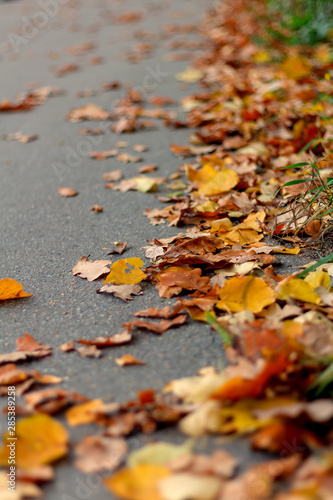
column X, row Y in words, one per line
column 260, row 109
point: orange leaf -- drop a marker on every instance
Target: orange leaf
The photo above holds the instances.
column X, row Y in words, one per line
column 126, row 272
column 137, row 483
column 83, row 413
column 40, row 440
column 11, row 289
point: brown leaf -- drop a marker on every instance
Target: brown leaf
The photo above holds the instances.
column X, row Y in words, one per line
column 67, row 192
column 89, row 351
column 97, row 209
column 31, row 347
column 183, row 278
column 40, row 474
column 67, row 68
column 113, row 176
column 123, row 292
column 128, row 359
column 117, row 339
column 120, row 248
column 88, row 112
column 154, row 312
column 127, row 158
column 102, row 155
column 52, row 400
column 147, row 169
column 100, row 453
column 91, row 270
column 160, row 327
column 68, row 346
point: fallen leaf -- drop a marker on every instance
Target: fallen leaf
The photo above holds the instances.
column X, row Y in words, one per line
column 88, row 112
column 97, row 209
column 91, row 270
column 185, row 486
column 175, row 279
column 89, row 351
column 52, row 400
column 160, row 327
column 11, row 289
column 67, row 192
column 123, row 292
column 137, row 483
column 67, row 346
column 81, row 414
column 22, row 489
column 117, row 339
column 113, row 176
column 296, row 67
column 120, row 248
column 99, row 453
column 127, row 158
column 245, row 294
column 128, row 359
column 40, row 440
column 159, row 453
column 31, row 347
column 103, row 155
column 126, row 272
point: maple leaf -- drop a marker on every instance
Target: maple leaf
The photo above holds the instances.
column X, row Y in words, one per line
column 11, row 289
column 40, row 440
column 31, row 347
column 126, row 272
column 91, row 270
column 123, row 292
column 175, row 279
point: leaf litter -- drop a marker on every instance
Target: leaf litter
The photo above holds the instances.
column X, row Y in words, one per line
column 258, row 111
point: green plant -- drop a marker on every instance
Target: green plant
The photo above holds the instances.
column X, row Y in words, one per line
column 307, row 21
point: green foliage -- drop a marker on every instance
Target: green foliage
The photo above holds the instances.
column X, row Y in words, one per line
column 307, row 21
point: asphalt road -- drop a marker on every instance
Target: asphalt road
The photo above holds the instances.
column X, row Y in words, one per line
column 43, row 235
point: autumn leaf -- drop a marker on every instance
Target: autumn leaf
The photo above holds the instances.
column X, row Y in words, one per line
column 211, row 181
column 91, row 270
column 159, row 453
column 40, row 440
column 128, row 359
column 299, row 290
column 248, row 293
column 123, row 292
column 88, row 112
column 11, row 289
column 296, row 67
column 67, row 192
column 83, row 413
column 160, row 327
column 137, row 483
column 176, row 278
column 99, row 453
column 183, row 486
column 126, row 272
column 117, row 339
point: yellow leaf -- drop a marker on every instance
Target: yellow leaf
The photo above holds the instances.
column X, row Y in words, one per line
column 299, row 290
column 318, row 278
column 40, row 440
column 296, row 67
column 137, row 483
column 190, row 75
column 185, row 486
column 123, row 273
column 11, row 289
column 83, row 413
column 261, row 57
column 248, row 293
column 244, row 233
column 146, row 184
column 212, row 181
column 159, row 453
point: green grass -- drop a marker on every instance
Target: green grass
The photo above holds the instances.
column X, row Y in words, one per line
column 306, row 21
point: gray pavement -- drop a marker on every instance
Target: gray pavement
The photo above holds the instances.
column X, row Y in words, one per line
column 43, row 235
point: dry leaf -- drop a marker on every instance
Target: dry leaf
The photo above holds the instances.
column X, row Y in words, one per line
column 83, row 413
column 88, row 112
column 11, row 289
column 245, row 294
column 113, row 176
column 128, row 359
column 117, row 339
column 99, row 453
column 126, row 272
column 91, row 270
column 160, row 327
column 103, row 155
column 97, row 209
column 67, row 192
column 137, row 483
column 185, row 486
column 123, row 292
column 89, row 351
column 40, row 440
